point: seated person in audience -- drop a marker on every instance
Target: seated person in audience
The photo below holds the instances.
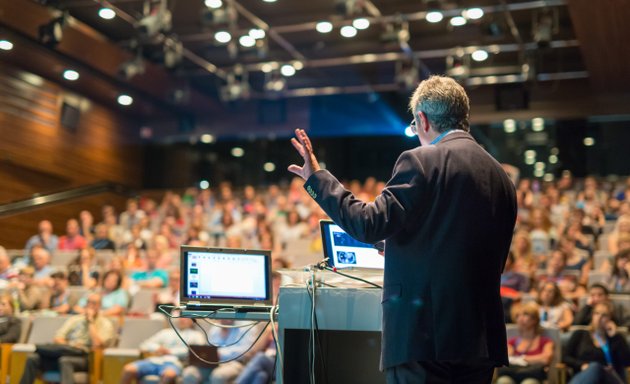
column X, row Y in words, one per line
column 597, row 294
column 59, row 293
column 83, row 271
column 555, row 312
column 86, row 225
column 513, row 284
column 74, row 339
column 150, row 277
column 10, row 326
column 577, row 259
column 598, row 355
column 44, row 237
column 31, row 296
column 170, row 295
column 232, row 343
column 524, row 260
column 114, row 298
column 7, row 272
column 619, row 279
column 72, row 240
column 622, row 227
column 41, row 264
column 117, row 263
column 101, row 238
column 530, row 352
column 167, row 353
column 555, row 272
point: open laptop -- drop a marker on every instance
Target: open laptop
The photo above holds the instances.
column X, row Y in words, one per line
column 343, row 251
column 225, row 278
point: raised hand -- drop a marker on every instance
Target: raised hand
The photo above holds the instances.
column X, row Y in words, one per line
column 302, row 144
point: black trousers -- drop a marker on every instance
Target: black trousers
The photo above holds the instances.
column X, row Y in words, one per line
column 68, row 365
column 438, row 372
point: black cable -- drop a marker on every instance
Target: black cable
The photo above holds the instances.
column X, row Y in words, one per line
column 318, row 341
column 170, row 318
column 349, row 276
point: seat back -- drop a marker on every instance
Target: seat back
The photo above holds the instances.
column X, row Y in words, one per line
column 63, row 258
column 143, row 302
column 44, row 328
column 136, row 330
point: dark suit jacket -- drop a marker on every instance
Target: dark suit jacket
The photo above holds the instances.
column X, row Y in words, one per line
column 447, row 215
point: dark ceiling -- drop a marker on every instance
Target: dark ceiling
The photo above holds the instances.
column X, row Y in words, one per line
column 570, row 52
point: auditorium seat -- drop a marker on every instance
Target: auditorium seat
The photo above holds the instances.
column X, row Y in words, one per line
column 134, row 331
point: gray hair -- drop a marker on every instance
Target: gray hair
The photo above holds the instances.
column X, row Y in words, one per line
column 443, row 101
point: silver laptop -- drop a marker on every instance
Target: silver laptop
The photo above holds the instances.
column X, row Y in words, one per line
column 225, row 278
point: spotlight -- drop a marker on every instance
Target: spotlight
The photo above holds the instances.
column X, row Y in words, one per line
column 132, row 67
column 347, row 7
column 473, row 13
column 158, row 19
column 274, row 82
column 173, row 52
column 247, row 41
column 237, row 86
column 50, row 34
column 544, row 27
column 257, row 33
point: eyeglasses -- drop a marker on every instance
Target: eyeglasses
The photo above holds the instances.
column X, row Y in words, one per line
column 412, row 126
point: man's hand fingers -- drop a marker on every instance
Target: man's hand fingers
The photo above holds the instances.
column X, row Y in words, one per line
column 299, row 147
column 295, row 169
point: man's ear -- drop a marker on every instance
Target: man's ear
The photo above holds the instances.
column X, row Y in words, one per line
column 424, row 122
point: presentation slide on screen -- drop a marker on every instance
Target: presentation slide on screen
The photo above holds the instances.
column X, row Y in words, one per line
column 218, row 275
column 350, row 253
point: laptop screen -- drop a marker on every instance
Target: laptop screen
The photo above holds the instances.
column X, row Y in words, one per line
column 343, row 251
column 225, row 276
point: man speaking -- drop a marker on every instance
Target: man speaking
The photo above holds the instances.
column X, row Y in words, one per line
column 447, row 215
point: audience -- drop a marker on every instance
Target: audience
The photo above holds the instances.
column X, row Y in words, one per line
column 561, row 225
column 599, row 354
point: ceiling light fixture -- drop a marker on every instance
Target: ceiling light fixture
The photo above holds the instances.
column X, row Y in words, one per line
column 6, row 45
column 214, row 4
column 361, row 23
column 434, row 17
column 257, row 33
column 348, row 31
column 125, row 100
column 106, row 13
column 50, row 34
column 247, row 41
column 222, row 37
column 473, row 13
column 238, row 152
column 287, row 70
column 458, row 21
column 207, row 138
column 324, row 27
column 479, row 55
column 71, row 75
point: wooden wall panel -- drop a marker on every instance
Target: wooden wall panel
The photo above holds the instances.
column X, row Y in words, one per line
column 38, row 154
